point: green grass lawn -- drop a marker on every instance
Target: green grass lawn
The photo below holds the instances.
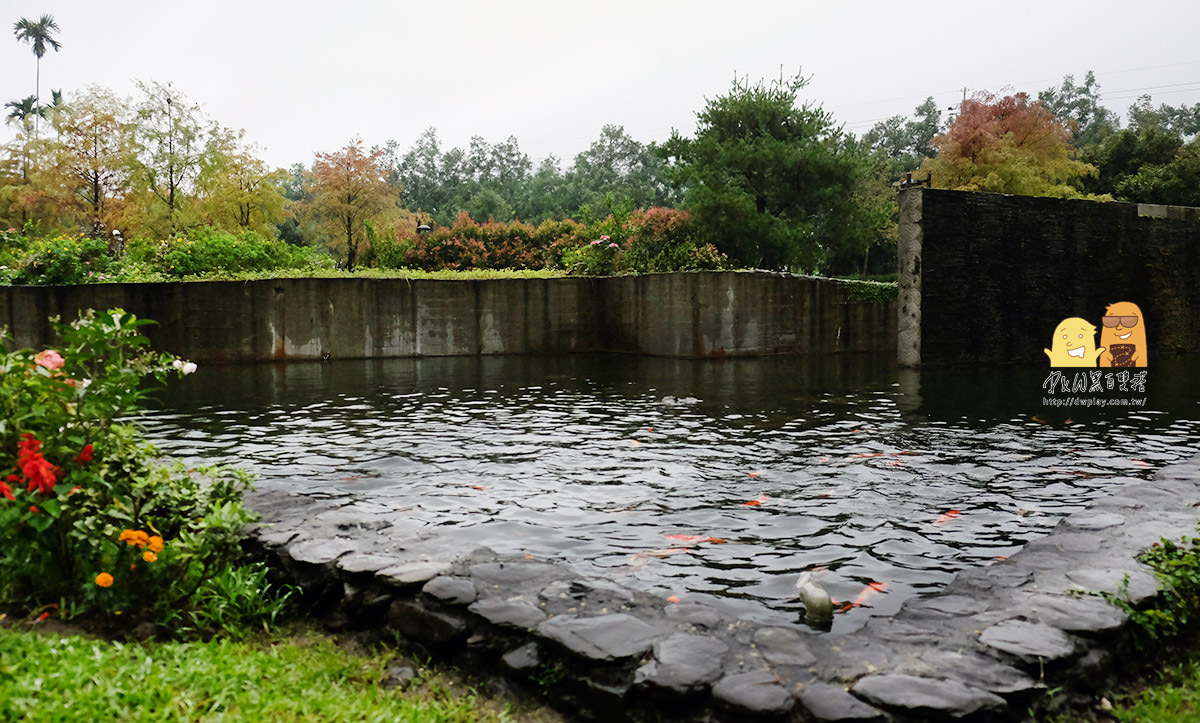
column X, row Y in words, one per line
column 309, row 676
column 304, row 676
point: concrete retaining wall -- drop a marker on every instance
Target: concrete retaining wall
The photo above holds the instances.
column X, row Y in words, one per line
column 986, row 277
column 706, row 314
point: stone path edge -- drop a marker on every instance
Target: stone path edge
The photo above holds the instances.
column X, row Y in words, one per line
column 986, row 648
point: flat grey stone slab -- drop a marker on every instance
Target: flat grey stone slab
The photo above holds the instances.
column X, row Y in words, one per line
column 509, row 613
column 683, row 663
column 783, row 646
column 606, row 637
column 452, row 590
column 348, row 519
column 977, row 671
column 946, row 605
column 513, row 573
column 757, row 692
column 913, row 693
column 412, row 573
column 1068, row 542
column 1076, row 613
column 356, row 562
column 320, row 552
column 1142, row 585
column 1095, row 520
column 521, row 659
column 428, row 626
column 832, row 703
column 1028, row 640
column 698, row 614
column 276, row 535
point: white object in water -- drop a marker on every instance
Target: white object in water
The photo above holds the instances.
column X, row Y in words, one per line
column 817, row 604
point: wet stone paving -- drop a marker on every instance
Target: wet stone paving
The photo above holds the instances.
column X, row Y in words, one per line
column 987, row 647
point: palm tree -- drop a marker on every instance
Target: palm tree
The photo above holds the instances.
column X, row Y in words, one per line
column 38, row 34
column 21, row 110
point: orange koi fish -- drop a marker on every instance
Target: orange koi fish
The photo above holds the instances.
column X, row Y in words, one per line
column 946, row 517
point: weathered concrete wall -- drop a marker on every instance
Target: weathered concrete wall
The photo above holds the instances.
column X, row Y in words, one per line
column 682, row 315
column 985, row 278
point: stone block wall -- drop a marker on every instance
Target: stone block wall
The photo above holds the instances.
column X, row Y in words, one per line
column 985, row 278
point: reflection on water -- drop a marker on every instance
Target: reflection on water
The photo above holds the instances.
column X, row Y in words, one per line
column 878, row 475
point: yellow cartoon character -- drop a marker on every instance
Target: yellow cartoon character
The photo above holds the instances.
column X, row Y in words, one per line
column 1074, row 344
column 1124, row 336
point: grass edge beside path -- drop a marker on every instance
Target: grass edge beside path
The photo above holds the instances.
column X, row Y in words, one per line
column 56, row 674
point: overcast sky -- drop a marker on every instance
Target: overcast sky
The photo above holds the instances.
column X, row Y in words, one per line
column 306, row 75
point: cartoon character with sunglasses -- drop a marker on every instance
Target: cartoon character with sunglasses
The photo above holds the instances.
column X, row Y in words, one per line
column 1123, row 335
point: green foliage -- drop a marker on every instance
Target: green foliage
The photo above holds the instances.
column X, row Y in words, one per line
column 1078, row 108
column 769, row 184
column 907, row 142
column 870, row 290
column 665, row 239
column 204, row 251
column 61, row 260
column 1176, row 565
column 91, row 519
column 1148, row 162
column 49, row 678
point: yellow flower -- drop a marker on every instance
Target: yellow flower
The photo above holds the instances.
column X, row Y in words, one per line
column 104, row 579
column 156, row 543
column 149, row 556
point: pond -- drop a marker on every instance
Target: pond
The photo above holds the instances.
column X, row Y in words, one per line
column 715, row 479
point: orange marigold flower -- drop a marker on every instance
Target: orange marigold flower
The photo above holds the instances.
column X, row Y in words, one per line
column 134, row 537
column 104, row 579
column 156, row 543
column 149, row 556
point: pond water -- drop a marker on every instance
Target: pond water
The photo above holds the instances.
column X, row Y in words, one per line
column 625, row 466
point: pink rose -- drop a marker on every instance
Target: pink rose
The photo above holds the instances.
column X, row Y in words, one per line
column 50, row 359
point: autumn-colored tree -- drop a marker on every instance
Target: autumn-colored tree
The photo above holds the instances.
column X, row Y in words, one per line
column 349, row 188
column 237, row 191
column 94, row 155
column 1006, row 145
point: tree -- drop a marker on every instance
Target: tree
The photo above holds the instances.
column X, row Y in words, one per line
column 769, row 184
column 21, row 112
column 349, row 189
column 617, row 165
column 1078, row 108
column 39, row 34
column 1181, row 118
column 907, row 142
column 1006, row 145
column 237, row 192
column 1148, row 162
column 169, row 143
column 95, row 153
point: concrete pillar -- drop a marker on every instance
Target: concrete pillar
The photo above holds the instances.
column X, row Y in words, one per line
column 908, row 339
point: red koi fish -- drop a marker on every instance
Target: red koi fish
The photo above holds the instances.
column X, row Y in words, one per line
column 946, row 517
